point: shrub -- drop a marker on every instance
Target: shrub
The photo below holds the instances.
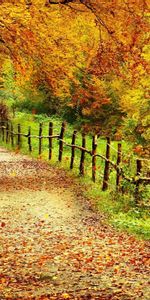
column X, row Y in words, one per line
column 3, row 112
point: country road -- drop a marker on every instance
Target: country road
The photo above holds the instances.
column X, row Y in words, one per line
column 53, row 245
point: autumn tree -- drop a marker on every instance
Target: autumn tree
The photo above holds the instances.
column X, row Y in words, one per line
column 37, row 48
column 123, row 32
column 51, row 42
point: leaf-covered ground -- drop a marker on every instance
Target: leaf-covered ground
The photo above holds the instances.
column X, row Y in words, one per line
column 54, row 246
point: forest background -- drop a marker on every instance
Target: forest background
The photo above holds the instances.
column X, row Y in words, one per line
column 86, row 61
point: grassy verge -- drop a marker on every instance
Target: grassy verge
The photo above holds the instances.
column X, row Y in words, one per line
column 120, row 210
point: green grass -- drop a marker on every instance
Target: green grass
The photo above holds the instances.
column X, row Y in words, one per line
column 123, row 213
column 120, row 210
column 27, row 120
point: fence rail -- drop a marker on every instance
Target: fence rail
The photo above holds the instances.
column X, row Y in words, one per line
column 9, row 135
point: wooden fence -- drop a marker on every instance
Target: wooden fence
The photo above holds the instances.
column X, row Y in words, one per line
column 9, row 135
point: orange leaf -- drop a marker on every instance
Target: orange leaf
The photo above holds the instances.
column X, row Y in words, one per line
column 3, row 224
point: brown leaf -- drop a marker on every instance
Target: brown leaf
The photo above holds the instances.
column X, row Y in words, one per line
column 3, row 224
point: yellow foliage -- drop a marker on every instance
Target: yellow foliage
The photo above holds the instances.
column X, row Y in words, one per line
column 49, row 42
column 52, row 43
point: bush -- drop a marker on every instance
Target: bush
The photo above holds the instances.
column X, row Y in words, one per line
column 3, row 112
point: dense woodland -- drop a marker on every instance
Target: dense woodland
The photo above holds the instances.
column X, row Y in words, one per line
column 85, row 60
column 68, row 218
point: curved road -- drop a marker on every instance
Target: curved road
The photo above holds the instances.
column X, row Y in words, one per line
column 54, row 246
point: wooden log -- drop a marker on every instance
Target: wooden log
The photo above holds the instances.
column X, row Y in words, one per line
column 40, row 138
column 29, row 139
column 78, row 147
column 73, row 149
column 19, row 136
column 82, row 159
column 106, row 170
column 118, row 175
column 50, row 140
column 12, row 136
column 138, row 173
column 61, row 142
column 94, row 147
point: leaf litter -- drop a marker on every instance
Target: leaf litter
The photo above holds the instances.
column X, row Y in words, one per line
column 53, row 245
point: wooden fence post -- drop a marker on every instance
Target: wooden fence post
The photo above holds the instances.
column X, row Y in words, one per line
column 94, row 147
column 81, row 168
column 138, row 172
column 7, row 132
column 40, row 138
column 50, row 139
column 29, row 139
column 0, row 128
column 19, row 137
column 118, row 175
column 61, row 142
column 3, row 131
column 73, row 149
column 106, row 170
column 12, row 135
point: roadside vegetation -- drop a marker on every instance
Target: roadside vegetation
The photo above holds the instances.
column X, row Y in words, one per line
column 120, row 209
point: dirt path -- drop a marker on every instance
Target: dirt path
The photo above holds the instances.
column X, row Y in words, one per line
column 52, row 244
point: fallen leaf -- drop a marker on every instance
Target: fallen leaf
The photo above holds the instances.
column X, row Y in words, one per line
column 65, row 296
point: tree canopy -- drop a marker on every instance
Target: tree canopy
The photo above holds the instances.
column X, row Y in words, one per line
column 88, row 50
